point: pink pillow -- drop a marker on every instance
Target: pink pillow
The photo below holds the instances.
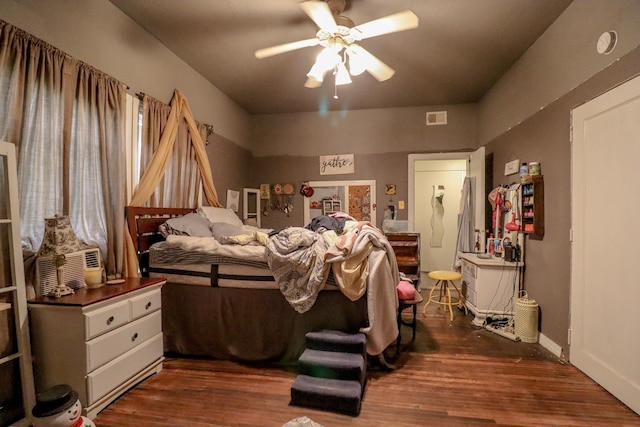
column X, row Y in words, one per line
column 406, row 290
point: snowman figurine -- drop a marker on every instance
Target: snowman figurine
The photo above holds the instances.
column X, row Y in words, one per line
column 59, row 406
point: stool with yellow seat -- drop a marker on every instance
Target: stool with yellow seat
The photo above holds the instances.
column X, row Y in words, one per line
column 444, row 280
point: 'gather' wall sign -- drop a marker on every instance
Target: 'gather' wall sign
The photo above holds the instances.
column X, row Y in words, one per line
column 337, row 164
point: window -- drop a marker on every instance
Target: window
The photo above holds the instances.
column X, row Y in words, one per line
column 66, row 120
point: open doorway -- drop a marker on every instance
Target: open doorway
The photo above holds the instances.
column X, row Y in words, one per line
column 435, row 187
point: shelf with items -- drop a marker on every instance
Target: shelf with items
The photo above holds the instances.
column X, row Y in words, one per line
column 331, row 206
column 533, row 205
column 406, row 247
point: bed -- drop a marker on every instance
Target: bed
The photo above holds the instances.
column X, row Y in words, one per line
column 225, row 297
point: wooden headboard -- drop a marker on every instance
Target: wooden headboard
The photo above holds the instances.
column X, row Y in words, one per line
column 143, row 224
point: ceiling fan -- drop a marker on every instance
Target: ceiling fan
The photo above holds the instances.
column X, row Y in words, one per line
column 339, row 36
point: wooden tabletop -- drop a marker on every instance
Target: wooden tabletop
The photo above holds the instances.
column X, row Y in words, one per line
column 86, row 296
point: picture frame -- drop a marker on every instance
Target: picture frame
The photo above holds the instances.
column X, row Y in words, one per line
column 233, row 200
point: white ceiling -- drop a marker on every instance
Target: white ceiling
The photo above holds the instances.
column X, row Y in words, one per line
column 458, row 52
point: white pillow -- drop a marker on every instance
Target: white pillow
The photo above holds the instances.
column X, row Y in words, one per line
column 214, row 215
column 222, row 230
column 190, row 224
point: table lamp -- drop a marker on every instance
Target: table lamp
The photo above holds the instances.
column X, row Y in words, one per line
column 59, row 239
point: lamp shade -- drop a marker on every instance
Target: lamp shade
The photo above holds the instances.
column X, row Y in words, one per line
column 59, row 238
column 342, row 75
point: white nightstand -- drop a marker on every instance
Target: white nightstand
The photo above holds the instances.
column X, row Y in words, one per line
column 99, row 341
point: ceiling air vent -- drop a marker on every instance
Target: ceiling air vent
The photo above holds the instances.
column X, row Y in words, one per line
column 436, row 118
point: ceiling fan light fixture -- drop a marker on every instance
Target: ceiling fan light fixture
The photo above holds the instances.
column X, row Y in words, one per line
column 342, row 76
column 328, row 59
column 317, row 73
column 357, row 64
column 338, row 35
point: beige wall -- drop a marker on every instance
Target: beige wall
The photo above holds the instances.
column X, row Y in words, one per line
column 229, row 167
column 363, row 131
column 545, row 138
column 561, row 59
column 96, row 32
column 385, row 168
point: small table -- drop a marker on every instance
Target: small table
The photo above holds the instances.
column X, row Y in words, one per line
column 490, row 286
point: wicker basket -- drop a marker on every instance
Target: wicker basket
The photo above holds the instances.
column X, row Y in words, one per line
column 526, row 319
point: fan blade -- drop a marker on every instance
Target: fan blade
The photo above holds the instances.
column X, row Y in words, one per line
column 373, row 65
column 287, row 47
column 400, row 21
column 320, row 13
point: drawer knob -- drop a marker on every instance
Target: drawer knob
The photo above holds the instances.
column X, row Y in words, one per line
column 110, row 320
column 148, row 306
column 134, row 337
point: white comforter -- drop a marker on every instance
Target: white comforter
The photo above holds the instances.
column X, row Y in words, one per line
column 362, row 260
column 211, row 245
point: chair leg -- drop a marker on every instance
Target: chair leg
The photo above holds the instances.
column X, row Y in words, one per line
column 424, row 310
column 399, row 339
column 449, row 300
column 415, row 321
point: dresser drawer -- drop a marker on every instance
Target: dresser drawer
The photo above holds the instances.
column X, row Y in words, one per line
column 470, row 282
column 145, row 304
column 107, row 347
column 108, row 377
column 107, row 318
column 469, row 269
column 472, row 296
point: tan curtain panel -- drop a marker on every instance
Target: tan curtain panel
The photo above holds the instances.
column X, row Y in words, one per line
column 158, row 164
column 67, row 121
column 180, row 184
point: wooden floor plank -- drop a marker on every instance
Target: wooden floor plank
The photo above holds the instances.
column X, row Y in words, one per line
column 454, row 374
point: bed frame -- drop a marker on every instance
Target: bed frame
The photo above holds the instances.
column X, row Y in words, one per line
column 250, row 325
column 143, row 223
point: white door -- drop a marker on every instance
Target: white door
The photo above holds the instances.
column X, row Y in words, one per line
column 605, row 288
column 448, row 170
column 438, row 185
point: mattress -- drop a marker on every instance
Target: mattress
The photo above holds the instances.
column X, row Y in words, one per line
column 204, row 269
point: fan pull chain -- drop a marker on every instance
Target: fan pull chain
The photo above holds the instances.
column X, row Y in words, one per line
column 335, row 84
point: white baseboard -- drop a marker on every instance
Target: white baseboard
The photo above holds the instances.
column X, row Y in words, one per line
column 547, row 343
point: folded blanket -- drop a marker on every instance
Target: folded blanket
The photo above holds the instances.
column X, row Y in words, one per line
column 363, row 259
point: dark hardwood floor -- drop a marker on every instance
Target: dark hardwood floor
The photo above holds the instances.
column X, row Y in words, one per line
column 454, row 374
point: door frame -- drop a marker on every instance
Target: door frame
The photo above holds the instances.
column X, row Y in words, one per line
column 475, row 167
column 343, row 183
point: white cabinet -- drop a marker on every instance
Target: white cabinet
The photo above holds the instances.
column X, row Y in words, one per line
column 251, row 205
column 490, row 286
column 99, row 341
column 17, row 395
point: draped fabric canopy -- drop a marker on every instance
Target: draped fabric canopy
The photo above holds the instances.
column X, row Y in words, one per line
column 157, row 165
